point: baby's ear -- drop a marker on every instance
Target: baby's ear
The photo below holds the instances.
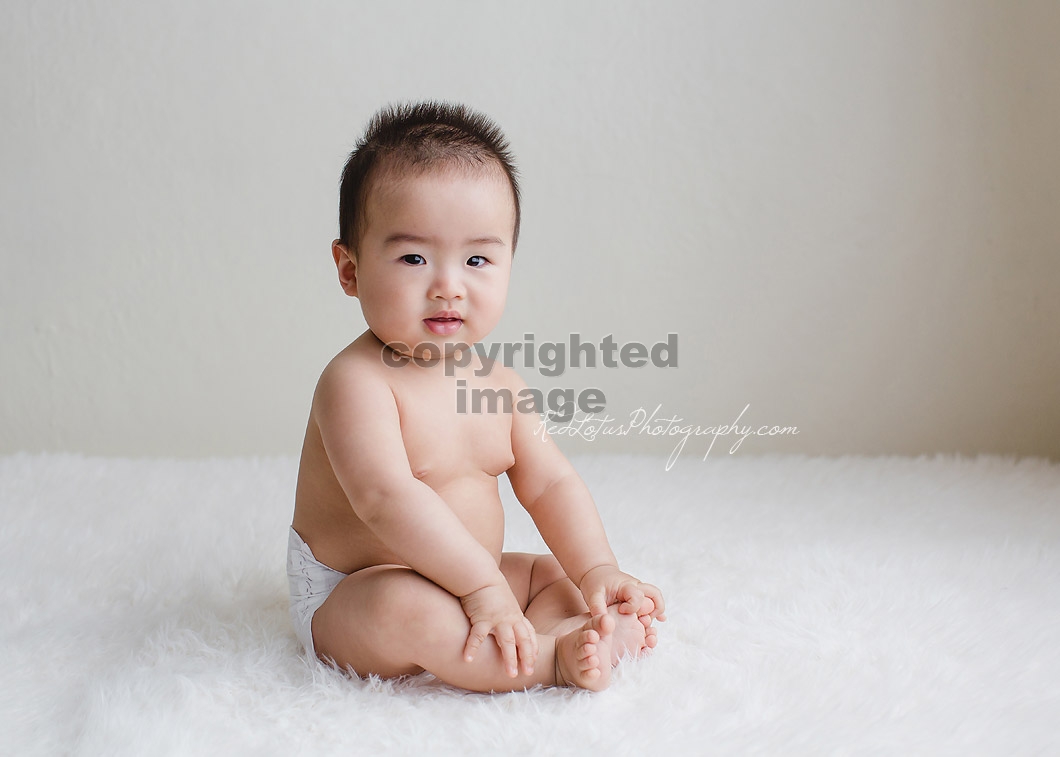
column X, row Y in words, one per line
column 347, row 267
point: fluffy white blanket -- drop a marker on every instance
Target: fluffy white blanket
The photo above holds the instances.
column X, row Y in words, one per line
column 816, row 606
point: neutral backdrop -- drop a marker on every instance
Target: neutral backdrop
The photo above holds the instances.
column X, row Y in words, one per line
column 845, row 211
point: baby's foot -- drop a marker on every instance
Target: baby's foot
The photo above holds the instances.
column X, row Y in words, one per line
column 583, row 656
column 631, row 634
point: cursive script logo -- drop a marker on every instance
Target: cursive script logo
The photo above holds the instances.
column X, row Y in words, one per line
column 643, row 423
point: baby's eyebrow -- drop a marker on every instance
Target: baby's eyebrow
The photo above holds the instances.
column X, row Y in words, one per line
column 400, row 237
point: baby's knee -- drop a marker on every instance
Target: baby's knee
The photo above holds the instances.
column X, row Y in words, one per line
column 368, row 623
column 405, row 599
column 378, row 625
column 546, row 571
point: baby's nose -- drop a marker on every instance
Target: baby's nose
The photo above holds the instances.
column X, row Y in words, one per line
column 447, row 285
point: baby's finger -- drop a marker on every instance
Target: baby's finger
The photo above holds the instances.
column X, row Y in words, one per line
column 509, row 653
column 478, row 634
column 533, row 636
column 597, row 603
column 653, row 593
column 526, row 642
column 632, row 598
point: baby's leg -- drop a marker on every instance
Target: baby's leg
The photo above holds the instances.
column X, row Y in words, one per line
column 555, row 606
column 390, row 621
column 546, row 596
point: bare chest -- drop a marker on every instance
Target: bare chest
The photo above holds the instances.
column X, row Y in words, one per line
column 444, row 440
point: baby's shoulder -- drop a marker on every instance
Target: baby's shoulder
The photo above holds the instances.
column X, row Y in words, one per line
column 357, row 369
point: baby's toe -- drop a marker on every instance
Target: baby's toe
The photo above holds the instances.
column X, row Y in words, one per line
column 604, row 624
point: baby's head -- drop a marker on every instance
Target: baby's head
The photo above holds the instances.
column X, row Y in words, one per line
column 410, row 140
column 428, row 223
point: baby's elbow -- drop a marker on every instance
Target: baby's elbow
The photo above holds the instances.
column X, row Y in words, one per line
column 368, row 504
column 374, row 504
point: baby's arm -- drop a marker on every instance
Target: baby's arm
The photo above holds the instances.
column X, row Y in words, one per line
column 559, row 502
column 360, row 427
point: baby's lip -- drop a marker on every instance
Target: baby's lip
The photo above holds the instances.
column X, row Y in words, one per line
column 445, row 315
column 445, row 323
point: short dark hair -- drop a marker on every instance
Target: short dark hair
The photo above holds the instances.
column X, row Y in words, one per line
column 419, row 136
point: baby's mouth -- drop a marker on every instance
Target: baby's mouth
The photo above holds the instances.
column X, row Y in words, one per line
column 444, row 325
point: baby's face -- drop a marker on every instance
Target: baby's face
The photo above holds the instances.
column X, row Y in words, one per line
column 436, row 257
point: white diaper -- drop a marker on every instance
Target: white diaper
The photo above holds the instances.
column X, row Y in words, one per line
column 310, row 582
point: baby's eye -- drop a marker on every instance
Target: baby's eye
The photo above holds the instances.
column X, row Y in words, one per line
column 414, row 259
column 476, row 261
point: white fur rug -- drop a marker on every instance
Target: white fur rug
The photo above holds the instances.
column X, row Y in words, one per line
column 852, row 605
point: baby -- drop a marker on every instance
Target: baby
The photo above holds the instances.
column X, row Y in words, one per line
column 395, row 560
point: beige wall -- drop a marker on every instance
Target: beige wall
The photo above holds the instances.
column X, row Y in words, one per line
column 847, row 212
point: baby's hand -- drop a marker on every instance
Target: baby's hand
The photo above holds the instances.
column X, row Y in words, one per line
column 493, row 611
column 606, row 585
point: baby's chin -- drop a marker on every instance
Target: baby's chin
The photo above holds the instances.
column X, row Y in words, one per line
column 428, row 350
